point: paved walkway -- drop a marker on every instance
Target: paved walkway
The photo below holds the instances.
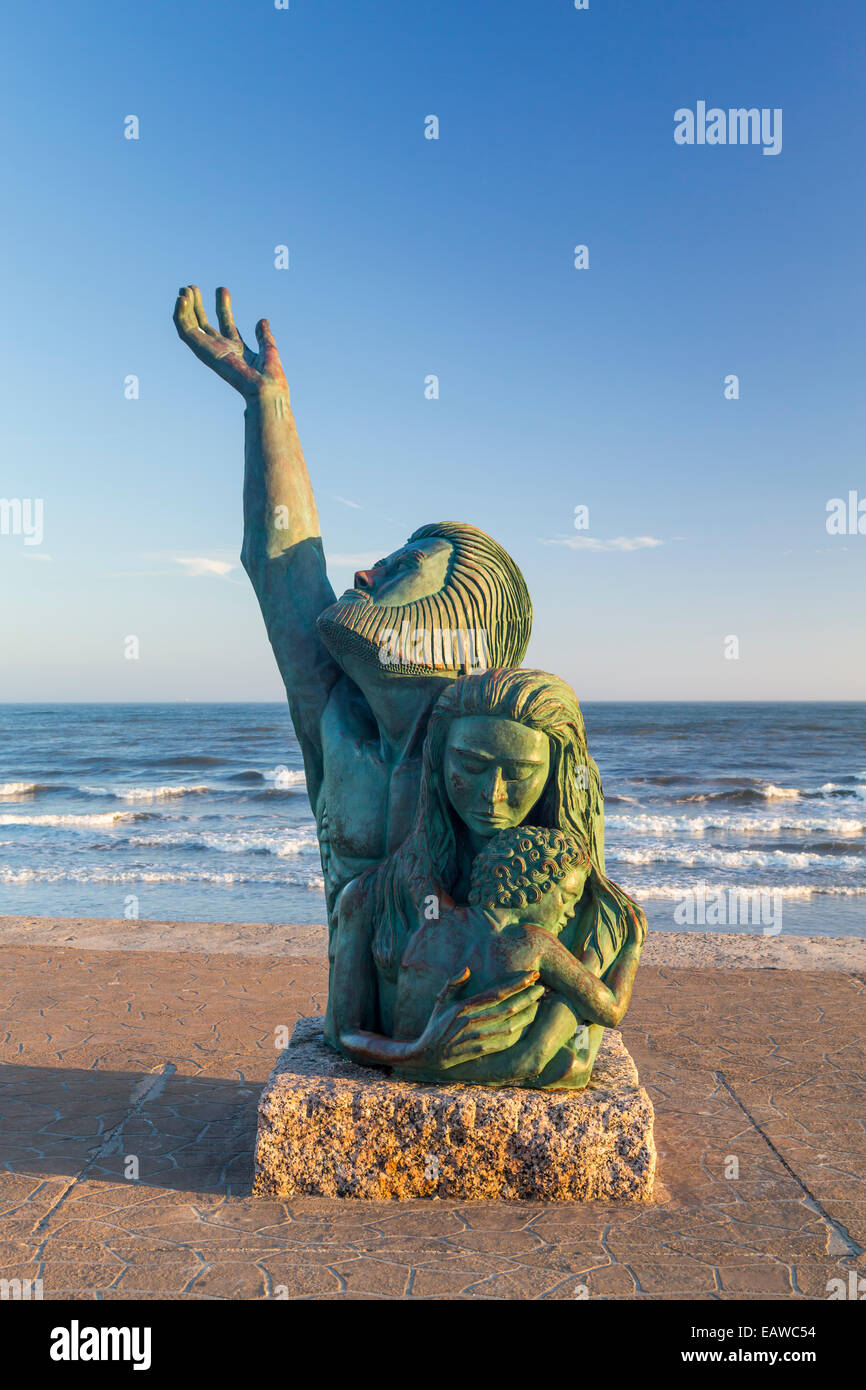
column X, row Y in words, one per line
column 127, row 1115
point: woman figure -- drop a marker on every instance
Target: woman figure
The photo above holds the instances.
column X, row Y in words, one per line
column 503, row 748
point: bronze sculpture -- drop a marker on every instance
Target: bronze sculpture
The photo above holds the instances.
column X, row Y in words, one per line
column 399, row 664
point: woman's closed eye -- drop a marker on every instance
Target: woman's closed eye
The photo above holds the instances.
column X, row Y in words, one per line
column 517, row 772
column 509, row 772
column 473, row 765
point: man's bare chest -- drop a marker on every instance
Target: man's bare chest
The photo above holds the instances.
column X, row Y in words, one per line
column 371, row 804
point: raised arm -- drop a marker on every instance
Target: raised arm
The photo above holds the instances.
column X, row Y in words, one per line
column 282, row 548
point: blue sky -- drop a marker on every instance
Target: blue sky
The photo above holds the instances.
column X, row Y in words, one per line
column 409, row 257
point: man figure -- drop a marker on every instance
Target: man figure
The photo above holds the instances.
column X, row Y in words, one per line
column 361, row 673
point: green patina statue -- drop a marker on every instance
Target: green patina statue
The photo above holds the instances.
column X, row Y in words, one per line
column 363, row 672
column 504, row 750
column 525, row 887
column 417, row 632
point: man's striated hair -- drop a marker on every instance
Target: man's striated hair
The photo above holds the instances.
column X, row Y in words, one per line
column 517, row 867
column 480, row 617
column 483, row 591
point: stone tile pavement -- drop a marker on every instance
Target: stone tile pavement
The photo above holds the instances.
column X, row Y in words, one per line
column 128, row 1088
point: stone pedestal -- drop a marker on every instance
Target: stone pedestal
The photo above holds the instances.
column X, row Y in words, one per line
column 330, row 1128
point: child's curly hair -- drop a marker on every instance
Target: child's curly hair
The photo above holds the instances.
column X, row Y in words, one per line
column 517, row 867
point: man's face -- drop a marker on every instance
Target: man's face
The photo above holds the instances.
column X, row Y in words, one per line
column 411, row 573
column 394, row 617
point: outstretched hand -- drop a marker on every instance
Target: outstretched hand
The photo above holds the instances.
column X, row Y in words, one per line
column 488, row 1022
column 225, row 352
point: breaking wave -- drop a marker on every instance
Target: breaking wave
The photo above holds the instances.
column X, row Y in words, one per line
column 13, row 876
column 146, row 793
column 690, row 857
column 74, row 822
column 650, row 888
column 659, row 823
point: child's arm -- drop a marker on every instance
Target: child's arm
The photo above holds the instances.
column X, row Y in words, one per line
column 595, row 1001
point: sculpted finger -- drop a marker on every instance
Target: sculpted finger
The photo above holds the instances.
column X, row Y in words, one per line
column 493, row 1035
column 225, row 318
column 468, row 1054
column 184, row 317
column 470, row 1047
column 271, row 364
column 264, row 336
column 198, row 306
column 481, row 1025
column 472, row 1053
column 637, row 924
column 506, row 991
column 454, row 983
column 510, row 1023
column 501, row 1002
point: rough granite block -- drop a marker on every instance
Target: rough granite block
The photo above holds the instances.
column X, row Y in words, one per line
column 330, row 1128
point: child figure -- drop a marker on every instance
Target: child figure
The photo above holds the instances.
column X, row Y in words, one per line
column 525, row 886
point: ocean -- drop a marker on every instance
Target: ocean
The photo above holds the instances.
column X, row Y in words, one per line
column 198, row 812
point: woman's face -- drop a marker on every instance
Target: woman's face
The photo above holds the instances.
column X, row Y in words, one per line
column 495, row 771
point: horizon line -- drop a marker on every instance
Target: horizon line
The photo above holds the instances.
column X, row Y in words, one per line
column 284, row 703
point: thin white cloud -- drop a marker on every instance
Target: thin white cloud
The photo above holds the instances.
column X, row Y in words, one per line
column 199, row 565
column 36, row 555
column 592, row 543
column 346, row 503
column 351, row 561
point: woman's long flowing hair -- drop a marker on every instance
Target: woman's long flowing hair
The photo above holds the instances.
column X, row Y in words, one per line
column 407, row 889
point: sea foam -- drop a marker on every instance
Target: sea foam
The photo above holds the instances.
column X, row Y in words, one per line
column 73, row 822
